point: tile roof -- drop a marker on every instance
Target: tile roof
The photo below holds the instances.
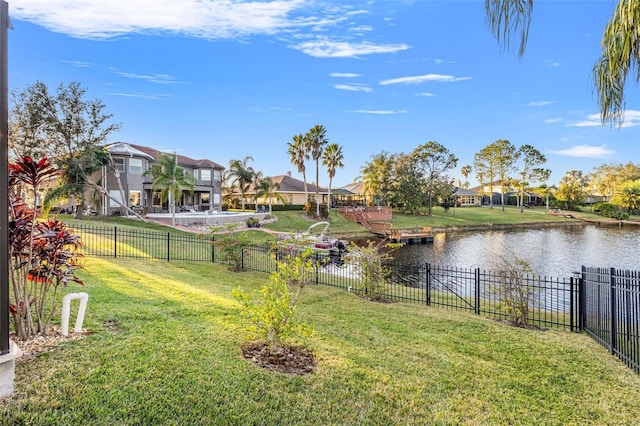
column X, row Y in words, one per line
column 182, row 160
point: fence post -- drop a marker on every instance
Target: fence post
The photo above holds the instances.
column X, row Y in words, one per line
column 115, row 241
column 613, row 316
column 242, row 259
column 477, row 295
column 571, row 310
column 213, row 249
column 582, row 299
column 168, row 247
column 428, row 271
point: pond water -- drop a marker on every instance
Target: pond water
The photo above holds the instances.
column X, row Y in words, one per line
column 553, row 252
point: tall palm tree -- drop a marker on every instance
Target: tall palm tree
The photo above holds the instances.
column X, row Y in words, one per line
column 171, row 180
column 315, row 140
column 267, row 188
column 375, row 176
column 620, row 48
column 298, row 154
column 332, row 159
column 242, row 175
column 466, row 171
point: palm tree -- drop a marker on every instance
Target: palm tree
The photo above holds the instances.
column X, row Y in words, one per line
column 242, row 175
column 466, row 171
column 298, row 154
column 171, row 180
column 375, row 176
column 315, row 140
column 267, row 188
column 332, row 159
column 620, row 48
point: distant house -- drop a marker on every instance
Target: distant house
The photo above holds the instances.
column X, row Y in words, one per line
column 291, row 190
column 468, row 197
column 131, row 161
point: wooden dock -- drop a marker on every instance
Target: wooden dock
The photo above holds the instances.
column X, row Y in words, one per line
column 411, row 236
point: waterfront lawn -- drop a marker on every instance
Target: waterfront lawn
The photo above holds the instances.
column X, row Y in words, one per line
column 163, row 348
column 475, row 216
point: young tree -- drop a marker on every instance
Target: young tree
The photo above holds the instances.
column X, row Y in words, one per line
column 332, row 159
column 298, row 154
column 620, row 48
column 529, row 170
column 572, row 189
column 315, row 140
column 242, row 175
column 171, row 179
column 433, row 160
column 72, row 129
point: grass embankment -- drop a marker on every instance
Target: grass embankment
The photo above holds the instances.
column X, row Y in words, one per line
column 164, row 341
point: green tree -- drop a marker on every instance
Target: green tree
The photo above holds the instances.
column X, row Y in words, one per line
column 620, row 48
column 486, row 165
column 432, row 160
column 529, row 171
column 332, row 159
column 572, row 189
column 171, row 179
column 242, row 175
column 66, row 127
column 605, row 179
column 466, row 171
column 407, row 184
column 376, row 176
column 628, row 196
column 298, row 155
column 315, row 140
column 267, row 188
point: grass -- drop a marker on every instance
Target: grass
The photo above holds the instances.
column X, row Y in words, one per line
column 164, row 341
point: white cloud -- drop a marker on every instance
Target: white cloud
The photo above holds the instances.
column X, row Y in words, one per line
column 198, row 18
column 79, row 64
column 152, row 78
column 422, row 78
column 553, row 120
column 139, row 95
column 631, row 119
column 540, row 103
column 361, row 29
column 353, row 87
column 381, row 111
column 325, row 48
column 344, row 75
column 585, row 151
column 426, row 94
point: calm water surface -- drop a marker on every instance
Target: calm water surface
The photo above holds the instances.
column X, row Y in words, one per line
column 555, row 252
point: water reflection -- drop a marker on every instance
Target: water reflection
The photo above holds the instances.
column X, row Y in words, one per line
column 555, row 252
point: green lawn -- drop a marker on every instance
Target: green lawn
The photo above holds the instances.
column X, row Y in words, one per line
column 163, row 348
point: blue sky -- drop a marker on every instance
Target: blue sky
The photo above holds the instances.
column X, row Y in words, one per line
column 225, row 79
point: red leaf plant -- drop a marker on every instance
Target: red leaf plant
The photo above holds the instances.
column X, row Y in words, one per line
column 43, row 254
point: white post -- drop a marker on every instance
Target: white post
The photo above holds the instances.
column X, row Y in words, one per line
column 66, row 310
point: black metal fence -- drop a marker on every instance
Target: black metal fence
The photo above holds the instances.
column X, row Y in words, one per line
column 603, row 302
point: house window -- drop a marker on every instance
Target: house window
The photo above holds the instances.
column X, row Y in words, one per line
column 135, row 166
column 204, row 198
column 195, row 174
column 216, row 176
column 205, row 175
column 115, row 195
column 119, row 163
column 156, row 199
column 216, row 199
column 134, row 198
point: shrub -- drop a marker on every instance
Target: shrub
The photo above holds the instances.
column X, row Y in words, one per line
column 231, row 244
column 311, row 209
column 253, row 222
column 515, row 291
column 272, row 316
column 369, row 265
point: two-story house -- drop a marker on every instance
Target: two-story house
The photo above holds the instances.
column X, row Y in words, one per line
column 134, row 187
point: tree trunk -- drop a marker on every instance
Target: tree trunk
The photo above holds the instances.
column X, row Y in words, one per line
column 104, row 192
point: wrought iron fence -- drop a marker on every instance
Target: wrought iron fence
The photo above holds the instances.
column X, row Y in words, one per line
column 603, row 302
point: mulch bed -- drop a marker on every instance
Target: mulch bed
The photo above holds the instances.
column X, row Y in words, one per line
column 295, row 360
